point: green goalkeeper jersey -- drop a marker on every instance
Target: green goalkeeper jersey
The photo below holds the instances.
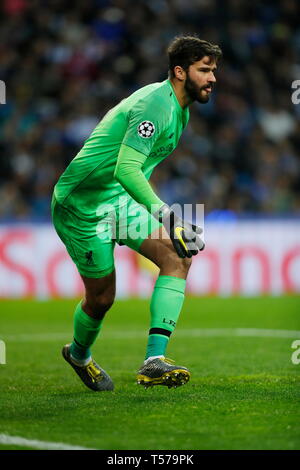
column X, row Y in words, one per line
column 122, row 151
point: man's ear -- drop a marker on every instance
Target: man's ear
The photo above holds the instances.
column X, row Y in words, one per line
column 179, row 73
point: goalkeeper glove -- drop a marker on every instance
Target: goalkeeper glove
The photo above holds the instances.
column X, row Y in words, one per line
column 184, row 236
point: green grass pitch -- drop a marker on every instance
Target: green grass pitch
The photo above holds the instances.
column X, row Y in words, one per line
column 244, row 392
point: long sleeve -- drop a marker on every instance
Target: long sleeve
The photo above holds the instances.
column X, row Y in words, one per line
column 129, row 174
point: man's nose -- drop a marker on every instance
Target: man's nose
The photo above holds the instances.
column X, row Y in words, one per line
column 212, row 77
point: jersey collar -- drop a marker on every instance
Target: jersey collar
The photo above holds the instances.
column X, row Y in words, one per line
column 178, row 107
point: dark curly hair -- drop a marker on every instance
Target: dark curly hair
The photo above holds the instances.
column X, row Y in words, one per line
column 185, row 50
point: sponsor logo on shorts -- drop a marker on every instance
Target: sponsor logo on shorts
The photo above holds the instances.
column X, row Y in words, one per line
column 89, row 257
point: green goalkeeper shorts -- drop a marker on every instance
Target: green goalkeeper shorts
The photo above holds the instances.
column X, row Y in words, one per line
column 91, row 244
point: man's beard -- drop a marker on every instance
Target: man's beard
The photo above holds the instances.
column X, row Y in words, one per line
column 194, row 91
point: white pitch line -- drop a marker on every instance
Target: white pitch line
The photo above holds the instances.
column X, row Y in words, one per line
column 5, row 439
column 250, row 332
column 184, row 333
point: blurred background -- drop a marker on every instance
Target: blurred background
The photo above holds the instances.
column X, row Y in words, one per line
column 64, row 67
column 65, row 64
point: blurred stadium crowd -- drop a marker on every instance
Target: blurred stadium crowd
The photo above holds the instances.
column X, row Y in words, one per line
column 66, row 63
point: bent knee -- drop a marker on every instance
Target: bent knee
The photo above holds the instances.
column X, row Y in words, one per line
column 187, row 262
column 104, row 302
column 172, row 260
column 99, row 304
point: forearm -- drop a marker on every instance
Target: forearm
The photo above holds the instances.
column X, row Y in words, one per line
column 129, row 174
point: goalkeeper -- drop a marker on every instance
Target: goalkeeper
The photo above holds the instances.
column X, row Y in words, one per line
column 108, row 178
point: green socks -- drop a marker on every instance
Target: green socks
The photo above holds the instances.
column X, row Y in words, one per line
column 166, row 303
column 86, row 330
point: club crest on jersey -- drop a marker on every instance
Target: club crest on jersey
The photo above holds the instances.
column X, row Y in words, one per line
column 146, row 129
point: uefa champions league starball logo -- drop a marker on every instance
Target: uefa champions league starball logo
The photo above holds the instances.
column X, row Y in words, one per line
column 146, row 129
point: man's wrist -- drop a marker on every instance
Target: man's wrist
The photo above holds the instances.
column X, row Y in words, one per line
column 163, row 212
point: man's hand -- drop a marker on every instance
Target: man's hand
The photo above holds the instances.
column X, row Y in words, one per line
column 184, row 236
